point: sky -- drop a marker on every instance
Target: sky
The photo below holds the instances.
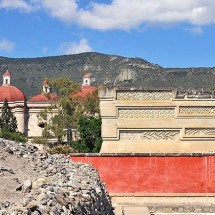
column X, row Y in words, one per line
column 171, row 33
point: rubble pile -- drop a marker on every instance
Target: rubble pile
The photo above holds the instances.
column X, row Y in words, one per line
column 34, row 182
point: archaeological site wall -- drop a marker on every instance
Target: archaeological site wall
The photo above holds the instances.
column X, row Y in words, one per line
column 156, row 121
column 158, row 148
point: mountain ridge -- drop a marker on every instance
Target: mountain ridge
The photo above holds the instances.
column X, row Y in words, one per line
column 28, row 73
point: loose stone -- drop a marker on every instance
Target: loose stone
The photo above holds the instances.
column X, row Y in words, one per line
column 61, row 187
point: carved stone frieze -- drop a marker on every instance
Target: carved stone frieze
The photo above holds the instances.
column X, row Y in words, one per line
column 146, row 113
column 197, row 110
column 144, row 95
column 140, row 135
column 200, row 131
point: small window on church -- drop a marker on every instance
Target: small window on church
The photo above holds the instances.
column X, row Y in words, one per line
column 41, row 124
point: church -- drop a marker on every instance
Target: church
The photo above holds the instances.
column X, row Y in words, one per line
column 26, row 110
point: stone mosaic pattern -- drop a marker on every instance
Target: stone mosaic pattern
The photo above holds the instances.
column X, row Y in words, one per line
column 138, row 135
column 197, row 110
column 144, row 95
column 133, row 113
column 200, row 131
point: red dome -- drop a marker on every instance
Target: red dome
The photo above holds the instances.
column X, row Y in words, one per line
column 7, row 73
column 44, row 82
column 88, row 75
column 44, row 97
column 85, row 90
column 11, row 93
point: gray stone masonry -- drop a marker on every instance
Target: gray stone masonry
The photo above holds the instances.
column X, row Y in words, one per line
column 57, row 185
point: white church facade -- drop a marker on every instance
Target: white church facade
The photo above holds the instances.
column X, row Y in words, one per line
column 26, row 110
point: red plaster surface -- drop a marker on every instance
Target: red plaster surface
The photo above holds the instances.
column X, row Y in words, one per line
column 155, row 174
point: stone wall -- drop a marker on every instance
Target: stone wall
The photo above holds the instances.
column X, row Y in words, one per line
column 156, row 121
column 167, row 182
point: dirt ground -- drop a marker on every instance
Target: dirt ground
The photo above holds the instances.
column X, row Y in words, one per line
column 13, row 172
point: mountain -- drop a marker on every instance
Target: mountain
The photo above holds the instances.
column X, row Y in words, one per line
column 28, row 73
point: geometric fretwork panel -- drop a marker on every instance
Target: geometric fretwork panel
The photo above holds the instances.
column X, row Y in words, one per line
column 146, row 113
column 138, row 135
column 144, row 95
column 197, row 110
column 200, row 131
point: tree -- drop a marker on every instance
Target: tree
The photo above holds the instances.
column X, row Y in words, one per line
column 55, row 123
column 81, row 114
column 8, row 121
column 63, row 87
column 89, row 128
column 91, row 104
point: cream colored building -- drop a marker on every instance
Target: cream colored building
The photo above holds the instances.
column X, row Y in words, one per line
column 16, row 100
column 156, row 121
column 26, row 112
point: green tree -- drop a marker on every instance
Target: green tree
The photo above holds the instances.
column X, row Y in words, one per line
column 88, row 123
column 63, row 87
column 81, row 114
column 56, row 123
column 8, row 121
column 91, row 104
column 89, row 128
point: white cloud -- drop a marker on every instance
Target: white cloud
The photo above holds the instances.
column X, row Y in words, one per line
column 65, row 10
column 121, row 15
column 75, row 48
column 16, row 4
column 124, row 14
column 6, row 45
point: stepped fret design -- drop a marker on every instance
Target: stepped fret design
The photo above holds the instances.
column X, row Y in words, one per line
column 149, row 135
column 200, row 131
column 197, row 110
column 144, row 95
column 133, row 113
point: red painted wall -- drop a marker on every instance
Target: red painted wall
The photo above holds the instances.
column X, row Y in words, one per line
column 155, row 174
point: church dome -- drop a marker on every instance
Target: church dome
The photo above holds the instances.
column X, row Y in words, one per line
column 86, row 88
column 45, row 96
column 88, row 75
column 9, row 92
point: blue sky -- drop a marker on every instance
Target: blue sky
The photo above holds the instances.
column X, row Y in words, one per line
column 171, row 33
